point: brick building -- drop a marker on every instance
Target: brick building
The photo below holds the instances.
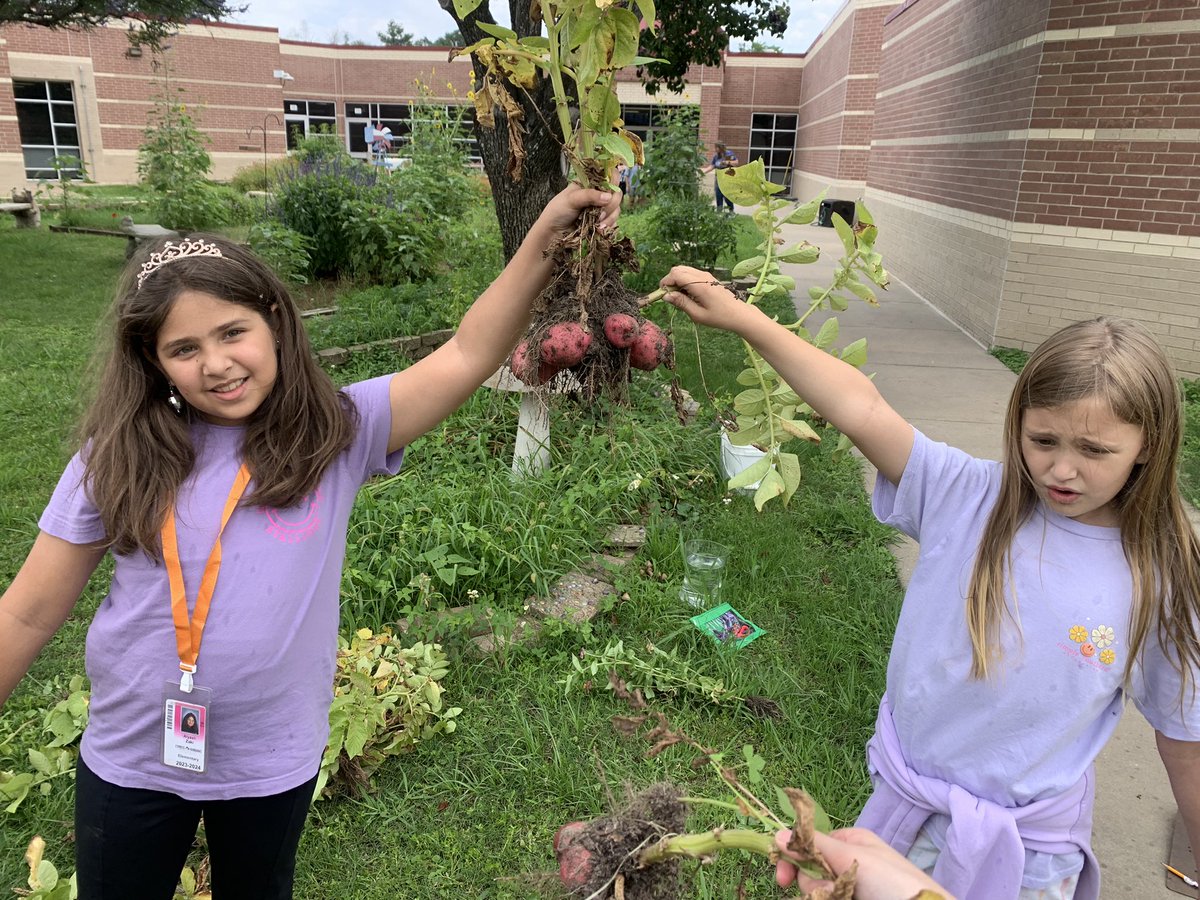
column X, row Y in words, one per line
column 1030, row 162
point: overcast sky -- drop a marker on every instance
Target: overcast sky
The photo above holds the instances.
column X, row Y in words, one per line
column 323, row 22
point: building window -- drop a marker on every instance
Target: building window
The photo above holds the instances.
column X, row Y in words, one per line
column 773, row 140
column 48, row 128
column 645, row 121
column 303, row 118
column 399, row 118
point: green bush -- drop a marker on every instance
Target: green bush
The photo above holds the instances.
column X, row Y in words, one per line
column 284, row 250
column 262, row 176
column 356, row 222
column 679, row 231
column 673, row 158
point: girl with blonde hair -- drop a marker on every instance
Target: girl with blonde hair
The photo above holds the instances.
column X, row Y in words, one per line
column 1050, row 588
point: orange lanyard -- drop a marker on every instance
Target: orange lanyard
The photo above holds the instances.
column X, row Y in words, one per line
column 187, row 634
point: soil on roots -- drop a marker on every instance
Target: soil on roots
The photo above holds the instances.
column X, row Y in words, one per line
column 615, row 842
column 586, row 287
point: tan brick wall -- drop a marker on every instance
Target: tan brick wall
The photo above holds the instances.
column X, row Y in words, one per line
column 954, row 260
column 1049, row 285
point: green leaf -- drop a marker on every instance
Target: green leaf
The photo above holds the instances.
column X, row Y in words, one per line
column 749, row 475
column 855, row 354
column 787, row 282
column 772, row 486
column 749, row 401
column 746, row 266
column 845, row 232
column 785, row 804
column 602, row 109
column 464, row 8
column 497, row 31
column 816, row 293
column 626, row 32
column 745, row 185
column 838, row 303
column 806, row 212
column 754, row 764
column 646, row 60
column 47, row 875
column 646, row 8
column 617, row 147
column 585, row 26
column 535, row 42
column 828, row 333
column 40, row 763
column 860, row 210
column 862, row 292
column 804, row 253
column 750, row 432
column 747, row 377
column 798, row 428
column 789, row 470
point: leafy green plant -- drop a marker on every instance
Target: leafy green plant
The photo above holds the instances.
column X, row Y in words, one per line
column 661, row 672
column 173, row 162
column 262, row 176
column 673, row 157
column 44, row 881
column 387, row 698
column 64, row 724
column 65, row 189
column 769, row 413
column 284, row 250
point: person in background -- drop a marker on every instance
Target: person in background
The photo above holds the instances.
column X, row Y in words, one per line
column 722, row 158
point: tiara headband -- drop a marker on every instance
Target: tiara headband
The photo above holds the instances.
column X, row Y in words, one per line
column 172, row 252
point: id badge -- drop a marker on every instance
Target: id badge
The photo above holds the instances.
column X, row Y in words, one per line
column 185, row 727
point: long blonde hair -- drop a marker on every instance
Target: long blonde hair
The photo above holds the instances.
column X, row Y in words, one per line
column 138, row 452
column 1119, row 363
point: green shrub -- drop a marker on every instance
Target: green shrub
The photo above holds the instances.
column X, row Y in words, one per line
column 679, row 231
column 284, row 250
column 262, row 176
column 674, row 158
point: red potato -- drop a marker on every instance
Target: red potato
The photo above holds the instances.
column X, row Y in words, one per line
column 574, row 861
column 565, row 344
column 621, row 329
column 529, row 369
column 651, row 349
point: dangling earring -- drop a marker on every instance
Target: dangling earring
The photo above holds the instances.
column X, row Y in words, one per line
column 173, row 400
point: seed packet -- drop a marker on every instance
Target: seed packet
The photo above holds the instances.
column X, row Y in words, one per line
column 726, row 625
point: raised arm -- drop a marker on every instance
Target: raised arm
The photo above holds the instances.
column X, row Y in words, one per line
column 428, row 391
column 1182, row 761
column 836, row 390
column 38, row 601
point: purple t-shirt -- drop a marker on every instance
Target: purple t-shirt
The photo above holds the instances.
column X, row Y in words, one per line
column 1032, row 729
column 269, row 647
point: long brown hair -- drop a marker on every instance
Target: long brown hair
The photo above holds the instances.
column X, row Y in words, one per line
column 1118, row 362
column 138, row 451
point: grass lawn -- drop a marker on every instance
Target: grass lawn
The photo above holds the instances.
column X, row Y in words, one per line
column 472, row 814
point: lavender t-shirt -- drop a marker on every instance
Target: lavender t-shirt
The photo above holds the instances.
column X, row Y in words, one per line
column 1034, row 728
column 269, row 647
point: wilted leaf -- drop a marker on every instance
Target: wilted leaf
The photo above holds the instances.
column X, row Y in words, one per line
column 772, row 486
column 749, row 475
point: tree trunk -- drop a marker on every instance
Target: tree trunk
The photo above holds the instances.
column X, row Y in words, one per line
column 518, row 203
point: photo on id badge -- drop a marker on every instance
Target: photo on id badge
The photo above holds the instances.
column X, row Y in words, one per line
column 185, row 733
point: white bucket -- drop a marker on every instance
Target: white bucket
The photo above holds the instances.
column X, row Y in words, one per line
column 737, row 459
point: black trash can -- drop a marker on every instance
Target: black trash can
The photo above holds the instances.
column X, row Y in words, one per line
column 844, row 208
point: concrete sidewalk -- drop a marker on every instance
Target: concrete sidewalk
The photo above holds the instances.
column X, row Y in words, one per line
column 949, row 387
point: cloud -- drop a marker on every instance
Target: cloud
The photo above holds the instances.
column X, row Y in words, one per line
column 320, row 20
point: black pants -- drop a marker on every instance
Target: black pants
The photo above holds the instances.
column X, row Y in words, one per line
column 131, row 844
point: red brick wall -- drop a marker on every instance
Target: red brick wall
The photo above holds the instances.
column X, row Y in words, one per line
column 929, row 121
column 837, row 103
column 1127, row 89
column 10, row 138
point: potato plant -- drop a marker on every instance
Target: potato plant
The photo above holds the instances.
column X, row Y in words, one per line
column 586, row 304
column 768, row 412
